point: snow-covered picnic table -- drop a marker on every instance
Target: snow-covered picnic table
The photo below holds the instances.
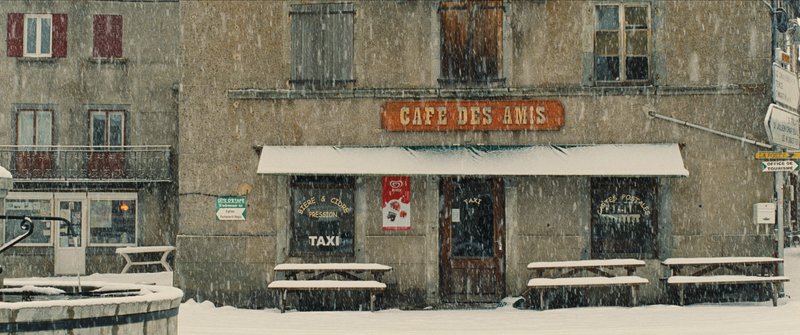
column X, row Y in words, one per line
column 330, row 276
column 565, row 274
column 126, row 253
column 740, row 270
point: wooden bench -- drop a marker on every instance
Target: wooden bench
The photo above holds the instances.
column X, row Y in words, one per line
column 740, row 270
column 126, row 253
column 311, row 277
column 564, row 276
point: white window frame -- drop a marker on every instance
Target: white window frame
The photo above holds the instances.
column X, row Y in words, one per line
column 112, row 196
column 38, row 53
column 107, row 132
column 32, row 196
column 622, row 42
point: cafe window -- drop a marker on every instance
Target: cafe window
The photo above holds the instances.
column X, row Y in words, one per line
column 323, row 216
column 29, row 207
column 471, row 42
column 624, row 217
column 622, row 43
column 322, row 45
column 112, row 221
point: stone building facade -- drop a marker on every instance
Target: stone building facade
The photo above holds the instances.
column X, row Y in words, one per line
column 89, row 115
column 509, row 132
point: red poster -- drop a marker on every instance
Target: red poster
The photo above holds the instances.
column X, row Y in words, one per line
column 396, row 203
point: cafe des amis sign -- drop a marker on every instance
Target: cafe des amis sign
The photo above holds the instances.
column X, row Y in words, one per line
column 472, row 115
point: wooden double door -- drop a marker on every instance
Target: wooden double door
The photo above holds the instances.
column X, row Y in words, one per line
column 472, row 234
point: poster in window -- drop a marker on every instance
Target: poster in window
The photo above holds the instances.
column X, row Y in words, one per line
column 323, row 218
column 100, row 214
column 396, row 206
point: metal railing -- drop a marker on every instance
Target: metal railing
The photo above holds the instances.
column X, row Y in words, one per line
column 94, row 164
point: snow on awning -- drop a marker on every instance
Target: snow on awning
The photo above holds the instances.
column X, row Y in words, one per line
column 548, row 160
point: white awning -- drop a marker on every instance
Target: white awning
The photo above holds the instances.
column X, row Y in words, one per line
column 549, row 160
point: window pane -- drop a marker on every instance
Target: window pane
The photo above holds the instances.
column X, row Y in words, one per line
column 623, row 217
column 606, row 68
column 636, row 42
column 99, row 128
column 112, row 222
column 25, row 128
column 636, row 17
column 116, row 128
column 30, row 35
column 44, row 126
column 323, row 216
column 46, row 32
column 607, row 17
column 636, row 68
column 606, row 43
column 41, row 229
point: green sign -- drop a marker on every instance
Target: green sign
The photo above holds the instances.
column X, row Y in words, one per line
column 231, row 208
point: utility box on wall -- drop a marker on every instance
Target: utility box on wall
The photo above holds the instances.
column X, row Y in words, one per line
column 763, row 214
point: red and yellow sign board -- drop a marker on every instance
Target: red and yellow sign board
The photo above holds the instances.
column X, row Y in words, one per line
column 472, row 115
column 777, row 155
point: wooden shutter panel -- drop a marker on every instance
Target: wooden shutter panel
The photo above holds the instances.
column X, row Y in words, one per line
column 107, row 36
column 338, row 43
column 59, row 35
column 487, row 40
column 14, row 34
column 472, row 35
column 454, row 19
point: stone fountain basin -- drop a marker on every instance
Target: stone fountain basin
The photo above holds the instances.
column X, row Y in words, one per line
column 151, row 310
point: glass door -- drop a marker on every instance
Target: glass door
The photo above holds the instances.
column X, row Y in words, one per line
column 70, row 251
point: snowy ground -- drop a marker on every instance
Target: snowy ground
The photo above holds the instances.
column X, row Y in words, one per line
column 730, row 318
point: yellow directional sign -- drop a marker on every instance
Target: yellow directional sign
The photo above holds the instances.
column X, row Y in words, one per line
column 778, row 155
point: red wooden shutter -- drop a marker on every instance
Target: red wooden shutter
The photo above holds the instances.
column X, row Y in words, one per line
column 14, row 33
column 59, row 35
column 107, row 36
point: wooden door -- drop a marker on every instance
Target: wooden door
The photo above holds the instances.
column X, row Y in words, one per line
column 472, row 240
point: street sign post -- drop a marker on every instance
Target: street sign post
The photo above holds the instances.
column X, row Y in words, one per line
column 231, row 208
column 785, row 88
column 783, row 127
column 775, row 166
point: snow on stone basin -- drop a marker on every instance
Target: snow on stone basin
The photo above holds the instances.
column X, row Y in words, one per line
column 151, row 310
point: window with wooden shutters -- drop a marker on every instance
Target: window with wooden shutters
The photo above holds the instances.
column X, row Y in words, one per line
column 107, row 36
column 472, row 39
column 36, row 35
column 322, row 45
column 622, row 43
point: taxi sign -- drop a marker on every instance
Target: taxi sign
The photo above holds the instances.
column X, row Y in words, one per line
column 777, row 155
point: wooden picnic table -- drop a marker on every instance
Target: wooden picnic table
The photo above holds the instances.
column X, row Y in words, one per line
column 330, row 276
column 565, row 274
column 126, row 253
column 737, row 270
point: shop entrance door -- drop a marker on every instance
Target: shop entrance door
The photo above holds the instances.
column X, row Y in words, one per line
column 471, row 242
column 70, row 250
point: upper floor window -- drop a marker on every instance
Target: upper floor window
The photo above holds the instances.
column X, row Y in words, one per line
column 322, row 44
column 36, row 35
column 472, row 41
column 107, row 128
column 34, row 127
column 107, row 36
column 622, row 43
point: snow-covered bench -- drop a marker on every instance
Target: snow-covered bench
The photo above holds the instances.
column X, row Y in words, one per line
column 126, row 253
column 565, row 272
column 740, row 271
column 346, row 278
